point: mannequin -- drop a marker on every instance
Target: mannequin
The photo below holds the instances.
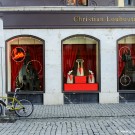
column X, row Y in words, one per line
column 80, row 70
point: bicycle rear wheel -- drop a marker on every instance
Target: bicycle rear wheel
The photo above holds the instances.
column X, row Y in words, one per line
column 26, row 108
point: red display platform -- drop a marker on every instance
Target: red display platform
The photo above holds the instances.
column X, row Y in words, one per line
column 80, row 79
column 81, row 87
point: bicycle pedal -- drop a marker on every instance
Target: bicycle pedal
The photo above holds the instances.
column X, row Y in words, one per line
column 11, row 109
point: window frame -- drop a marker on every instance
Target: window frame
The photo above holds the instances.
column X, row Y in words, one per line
column 8, row 90
column 99, row 64
column 118, row 90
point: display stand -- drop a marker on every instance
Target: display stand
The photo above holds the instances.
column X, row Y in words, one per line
column 80, row 85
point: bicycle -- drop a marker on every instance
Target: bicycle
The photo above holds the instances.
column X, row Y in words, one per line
column 23, row 107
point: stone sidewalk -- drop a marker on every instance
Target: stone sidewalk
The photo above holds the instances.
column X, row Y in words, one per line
column 74, row 119
column 83, row 110
column 80, row 111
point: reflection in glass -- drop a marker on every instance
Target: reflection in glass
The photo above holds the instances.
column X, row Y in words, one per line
column 25, row 62
column 126, row 65
column 80, row 64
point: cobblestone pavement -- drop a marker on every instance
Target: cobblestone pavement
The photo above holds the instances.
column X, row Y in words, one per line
column 74, row 119
column 71, row 126
column 83, row 110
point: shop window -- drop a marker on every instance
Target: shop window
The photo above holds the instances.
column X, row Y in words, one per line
column 77, row 2
column 25, row 64
column 80, row 64
column 126, row 63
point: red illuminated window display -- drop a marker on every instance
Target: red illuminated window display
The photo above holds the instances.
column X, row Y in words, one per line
column 80, row 67
column 27, row 67
column 126, row 66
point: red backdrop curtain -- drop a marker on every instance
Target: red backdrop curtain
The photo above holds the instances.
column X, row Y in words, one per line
column 36, row 53
column 88, row 54
column 69, row 57
column 15, row 68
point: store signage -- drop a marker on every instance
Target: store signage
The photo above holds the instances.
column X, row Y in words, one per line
column 70, row 19
column 18, row 54
column 103, row 19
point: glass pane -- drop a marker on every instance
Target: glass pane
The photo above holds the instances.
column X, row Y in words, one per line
column 26, row 64
column 71, row 2
column 126, row 65
column 80, row 64
column 127, row 2
column 83, row 2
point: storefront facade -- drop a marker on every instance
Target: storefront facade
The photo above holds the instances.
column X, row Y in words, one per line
column 64, row 55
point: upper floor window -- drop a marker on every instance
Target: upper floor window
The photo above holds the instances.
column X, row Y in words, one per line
column 77, row 2
column 129, row 2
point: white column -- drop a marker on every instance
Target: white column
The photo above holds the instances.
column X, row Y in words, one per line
column 2, row 60
column 120, row 3
column 53, row 83
column 108, row 58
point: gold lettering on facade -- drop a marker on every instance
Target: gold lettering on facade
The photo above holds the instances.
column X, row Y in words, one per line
column 80, row 19
column 120, row 19
column 87, row 19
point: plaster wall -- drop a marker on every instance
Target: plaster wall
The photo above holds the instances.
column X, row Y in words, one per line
column 108, row 59
column 120, row 3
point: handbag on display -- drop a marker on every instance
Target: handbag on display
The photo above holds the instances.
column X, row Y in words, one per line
column 70, row 77
column 91, row 78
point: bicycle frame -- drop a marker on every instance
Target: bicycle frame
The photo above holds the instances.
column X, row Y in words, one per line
column 12, row 105
column 19, row 106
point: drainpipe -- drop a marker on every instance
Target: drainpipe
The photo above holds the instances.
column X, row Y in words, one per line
column 1, row 72
column 3, row 107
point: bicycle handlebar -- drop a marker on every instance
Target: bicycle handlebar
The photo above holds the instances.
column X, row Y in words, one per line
column 16, row 89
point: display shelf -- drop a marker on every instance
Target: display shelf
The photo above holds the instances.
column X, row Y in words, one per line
column 80, row 79
column 80, row 87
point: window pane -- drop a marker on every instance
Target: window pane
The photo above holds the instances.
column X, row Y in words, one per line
column 71, row 2
column 77, row 2
column 83, row 2
column 80, row 64
column 26, row 62
column 127, row 2
column 126, row 66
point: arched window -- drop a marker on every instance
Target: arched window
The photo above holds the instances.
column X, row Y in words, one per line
column 25, row 64
column 126, row 63
column 80, row 57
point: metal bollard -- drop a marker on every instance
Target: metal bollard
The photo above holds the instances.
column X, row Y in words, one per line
column 3, row 110
column 3, row 105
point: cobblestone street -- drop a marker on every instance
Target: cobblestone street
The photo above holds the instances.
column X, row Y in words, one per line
column 68, row 126
column 83, row 110
column 74, row 119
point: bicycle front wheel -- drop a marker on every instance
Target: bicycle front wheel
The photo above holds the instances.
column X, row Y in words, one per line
column 24, row 108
